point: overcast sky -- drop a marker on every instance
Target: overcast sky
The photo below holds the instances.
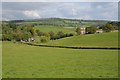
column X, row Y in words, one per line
column 60, row 0
column 72, row 10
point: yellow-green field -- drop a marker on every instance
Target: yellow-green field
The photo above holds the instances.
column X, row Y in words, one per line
column 91, row 40
column 24, row 61
column 55, row 29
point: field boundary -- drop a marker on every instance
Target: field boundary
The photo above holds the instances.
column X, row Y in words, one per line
column 70, row 47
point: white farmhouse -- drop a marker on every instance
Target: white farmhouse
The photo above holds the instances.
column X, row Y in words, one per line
column 82, row 30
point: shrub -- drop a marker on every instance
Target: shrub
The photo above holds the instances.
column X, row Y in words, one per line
column 44, row 39
column 37, row 39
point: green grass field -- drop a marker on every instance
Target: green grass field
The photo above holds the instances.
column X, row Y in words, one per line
column 24, row 61
column 91, row 40
column 55, row 29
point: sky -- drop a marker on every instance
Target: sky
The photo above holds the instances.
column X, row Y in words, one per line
column 71, row 10
column 60, row 0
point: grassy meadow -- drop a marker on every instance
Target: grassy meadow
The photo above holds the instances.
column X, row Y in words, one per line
column 24, row 61
column 91, row 40
column 55, row 29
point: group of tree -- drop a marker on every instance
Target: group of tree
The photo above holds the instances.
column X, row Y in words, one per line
column 53, row 36
column 109, row 27
column 12, row 32
column 90, row 30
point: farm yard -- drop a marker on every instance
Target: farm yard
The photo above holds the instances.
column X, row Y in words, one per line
column 24, row 61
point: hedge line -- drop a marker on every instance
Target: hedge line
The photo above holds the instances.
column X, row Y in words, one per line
column 110, row 48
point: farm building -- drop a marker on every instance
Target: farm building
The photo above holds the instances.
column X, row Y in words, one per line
column 99, row 31
column 82, row 30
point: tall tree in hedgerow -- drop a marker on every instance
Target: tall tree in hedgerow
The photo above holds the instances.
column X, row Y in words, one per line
column 78, row 31
column 108, row 27
column 90, row 30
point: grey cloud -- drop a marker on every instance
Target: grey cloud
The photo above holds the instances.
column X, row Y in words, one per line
column 84, row 10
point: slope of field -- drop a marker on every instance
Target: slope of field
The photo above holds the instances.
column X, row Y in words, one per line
column 24, row 61
column 91, row 40
column 55, row 29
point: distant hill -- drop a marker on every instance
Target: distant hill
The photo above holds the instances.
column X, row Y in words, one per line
column 62, row 22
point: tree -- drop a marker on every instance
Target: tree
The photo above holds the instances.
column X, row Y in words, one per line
column 6, row 37
column 16, row 36
column 30, row 29
column 51, row 33
column 12, row 25
column 90, row 30
column 108, row 27
column 25, row 35
column 60, row 34
column 39, row 33
column 78, row 31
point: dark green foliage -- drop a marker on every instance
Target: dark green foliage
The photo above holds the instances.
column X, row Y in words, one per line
column 11, row 32
column 16, row 36
column 78, row 31
column 30, row 29
column 51, row 33
column 108, row 28
column 7, row 37
column 39, row 33
column 12, row 25
column 60, row 34
column 90, row 30
column 44, row 39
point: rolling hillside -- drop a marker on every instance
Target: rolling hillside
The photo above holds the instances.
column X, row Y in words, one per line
column 91, row 40
column 60, row 22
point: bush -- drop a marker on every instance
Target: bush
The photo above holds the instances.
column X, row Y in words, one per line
column 6, row 37
column 37, row 39
column 44, row 39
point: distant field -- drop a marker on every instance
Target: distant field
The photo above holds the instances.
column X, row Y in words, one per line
column 24, row 61
column 55, row 29
column 91, row 40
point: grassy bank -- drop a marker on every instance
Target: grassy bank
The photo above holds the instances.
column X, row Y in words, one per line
column 91, row 40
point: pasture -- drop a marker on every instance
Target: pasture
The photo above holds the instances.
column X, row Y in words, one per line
column 24, row 61
column 55, row 29
column 91, row 40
